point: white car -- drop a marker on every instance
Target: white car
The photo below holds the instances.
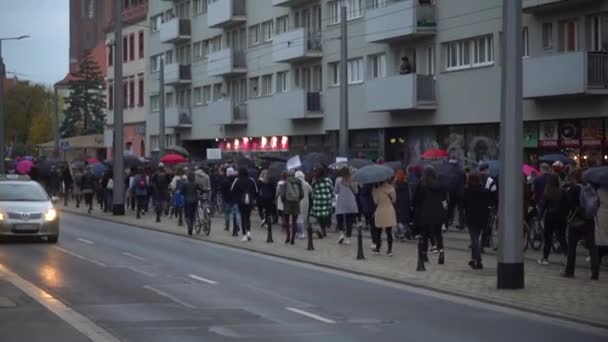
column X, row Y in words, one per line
column 26, row 210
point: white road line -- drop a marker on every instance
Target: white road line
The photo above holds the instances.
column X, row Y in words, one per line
column 86, row 241
column 202, row 279
column 311, row 315
column 171, row 297
column 133, row 256
column 98, row 263
column 94, row 332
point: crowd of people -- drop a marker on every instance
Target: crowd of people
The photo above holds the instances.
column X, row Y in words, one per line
column 414, row 204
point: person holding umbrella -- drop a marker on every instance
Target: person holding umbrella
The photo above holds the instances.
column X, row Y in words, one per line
column 346, row 204
column 87, row 186
column 476, row 207
column 384, row 218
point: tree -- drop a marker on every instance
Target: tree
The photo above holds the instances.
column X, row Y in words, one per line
column 85, row 105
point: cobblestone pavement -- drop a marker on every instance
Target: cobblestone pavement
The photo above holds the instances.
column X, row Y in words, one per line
column 578, row 299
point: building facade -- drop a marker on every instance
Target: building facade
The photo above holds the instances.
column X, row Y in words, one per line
column 264, row 75
column 134, row 62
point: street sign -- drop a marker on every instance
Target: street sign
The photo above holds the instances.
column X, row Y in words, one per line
column 64, row 145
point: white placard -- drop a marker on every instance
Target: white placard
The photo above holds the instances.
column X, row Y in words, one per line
column 214, row 154
column 341, row 160
column 294, row 163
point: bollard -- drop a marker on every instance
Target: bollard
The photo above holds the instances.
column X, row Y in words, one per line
column 360, row 255
column 269, row 239
column 309, row 233
column 420, row 266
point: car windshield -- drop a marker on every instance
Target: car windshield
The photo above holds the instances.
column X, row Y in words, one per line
column 22, row 192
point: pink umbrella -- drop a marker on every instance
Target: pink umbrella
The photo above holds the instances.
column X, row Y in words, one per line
column 91, row 161
column 529, row 169
column 435, row 153
column 24, row 166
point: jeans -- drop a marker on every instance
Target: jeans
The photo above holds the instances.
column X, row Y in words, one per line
column 231, row 210
column 345, row 219
column 245, row 217
column 189, row 212
column 586, row 232
column 474, row 232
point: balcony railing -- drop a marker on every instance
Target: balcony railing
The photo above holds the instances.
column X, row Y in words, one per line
column 239, row 112
column 239, row 59
column 425, row 88
column 175, row 30
column 426, row 16
column 392, row 20
column 597, row 70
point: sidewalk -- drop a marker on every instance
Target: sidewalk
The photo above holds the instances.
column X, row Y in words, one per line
column 578, row 299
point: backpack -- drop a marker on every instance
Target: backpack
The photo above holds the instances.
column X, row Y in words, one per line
column 141, row 183
column 589, row 202
column 293, row 192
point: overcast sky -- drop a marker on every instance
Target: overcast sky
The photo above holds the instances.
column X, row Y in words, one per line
column 43, row 58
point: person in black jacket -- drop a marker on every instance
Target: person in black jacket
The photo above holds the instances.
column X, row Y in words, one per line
column 231, row 207
column 87, row 186
column 244, row 191
column 160, row 188
column 266, row 198
column 402, row 204
column 429, row 211
column 189, row 189
column 476, row 206
column 554, row 209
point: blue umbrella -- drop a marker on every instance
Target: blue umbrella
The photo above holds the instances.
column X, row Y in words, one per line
column 98, row 169
column 597, row 175
column 553, row 157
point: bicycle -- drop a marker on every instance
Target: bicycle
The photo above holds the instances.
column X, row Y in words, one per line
column 203, row 215
column 493, row 221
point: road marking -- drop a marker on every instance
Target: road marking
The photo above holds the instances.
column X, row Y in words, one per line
column 98, row 263
column 133, row 256
column 169, row 296
column 86, row 241
column 202, row 279
column 94, row 332
column 311, row 315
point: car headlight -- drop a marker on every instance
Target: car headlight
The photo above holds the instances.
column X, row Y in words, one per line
column 1, row 216
column 50, row 215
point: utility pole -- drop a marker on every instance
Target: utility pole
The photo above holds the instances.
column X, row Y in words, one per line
column 510, row 272
column 343, row 85
column 2, row 137
column 56, row 103
column 161, row 112
column 118, row 197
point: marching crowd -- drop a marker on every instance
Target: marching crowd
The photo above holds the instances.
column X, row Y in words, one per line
column 413, row 204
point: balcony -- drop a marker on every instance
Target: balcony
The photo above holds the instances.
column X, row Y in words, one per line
column 572, row 73
column 542, row 6
column 178, row 74
column 296, row 46
column 226, row 13
column 291, row 3
column 398, row 20
column 401, row 93
column 226, row 112
column 227, row 62
column 177, row 117
column 297, row 104
column 175, row 31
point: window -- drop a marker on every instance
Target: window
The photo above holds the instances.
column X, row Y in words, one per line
column 168, row 57
column 110, row 96
column 183, row 9
column 469, row 53
column 131, row 93
column 155, row 22
column 125, row 53
column 254, row 35
column 547, row 36
column 217, row 91
column 354, row 10
column 378, row 3
column 282, row 25
column 569, row 39
column 254, row 87
column 132, row 46
column 215, row 43
column 334, row 73
column 110, row 55
column 141, row 91
column 206, row 94
column 199, row 6
column 596, row 33
column 267, row 30
column 88, row 9
column 125, row 92
column 141, row 44
column 377, row 66
column 267, row 85
column 430, row 60
column 154, row 103
column 155, row 63
column 282, row 83
column 183, row 54
column 198, row 96
column 526, row 42
column 197, row 50
column 169, row 100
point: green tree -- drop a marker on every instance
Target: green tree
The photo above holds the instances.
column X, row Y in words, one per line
column 85, row 105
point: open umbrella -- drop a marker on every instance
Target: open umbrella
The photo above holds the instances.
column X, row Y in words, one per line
column 358, row 163
column 276, row 169
column 178, row 150
column 597, row 175
column 435, row 153
column 552, row 158
column 450, row 175
column 172, row 159
column 92, row 161
column 395, row 165
column 99, row 169
column 24, row 166
column 129, row 161
column 373, row 174
column 338, row 166
column 528, row 169
column 316, row 157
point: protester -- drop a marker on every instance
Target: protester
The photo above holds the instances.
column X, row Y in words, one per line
column 538, row 188
column 140, row 190
column 87, row 186
column 291, row 195
column 492, row 187
column 366, row 201
column 476, row 206
column 384, row 216
column 231, row 205
column 160, row 188
column 402, row 204
column 68, row 184
column 554, row 210
column 202, row 179
column 303, row 219
column 178, row 198
column 244, row 190
column 278, row 199
column 322, row 194
column 601, row 229
column 266, row 198
column 78, row 174
column 429, row 211
column 108, row 181
column 346, row 204
column 188, row 189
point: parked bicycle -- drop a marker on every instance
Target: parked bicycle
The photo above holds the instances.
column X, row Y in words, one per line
column 203, row 215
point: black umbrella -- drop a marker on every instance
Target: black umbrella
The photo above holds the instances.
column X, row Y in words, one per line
column 316, row 157
column 597, row 175
column 130, row 161
column 178, row 150
column 450, row 175
column 273, row 159
column 275, row 170
column 373, row 174
column 395, row 165
column 358, row 163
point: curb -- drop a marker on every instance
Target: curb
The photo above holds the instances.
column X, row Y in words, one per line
column 359, row 273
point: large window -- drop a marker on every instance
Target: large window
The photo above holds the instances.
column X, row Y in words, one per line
column 468, row 53
column 125, row 46
column 110, row 96
column 254, row 87
column 267, row 85
column 547, row 36
column 141, row 44
column 155, row 63
column 334, row 73
column 140, row 90
column 131, row 93
column 154, row 103
column 377, row 66
column 254, row 35
column 155, row 22
column 199, row 6
column 569, row 36
column 206, row 95
column 282, row 25
column 526, row 42
column 483, row 51
column 215, row 43
column 354, row 10
column 282, row 81
column 596, row 33
column 267, row 30
column 198, row 96
column 132, row 47
column 355, row 71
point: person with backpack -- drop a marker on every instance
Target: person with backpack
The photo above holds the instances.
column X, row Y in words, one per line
column 140, row 190
column 477, row 210
column 87, row 186
column 266, row 198
column 291, row 195
column 189, row 189
column 178, row 197
column 244, row 190
column 346, row 204
column 553, row 208
column 583, row 205
column 160, row 188
column 322, row 195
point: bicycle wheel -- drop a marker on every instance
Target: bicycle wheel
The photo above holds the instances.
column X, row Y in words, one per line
column 207, row 221
column 198, row 224
column 526, row 236
column 494, row 238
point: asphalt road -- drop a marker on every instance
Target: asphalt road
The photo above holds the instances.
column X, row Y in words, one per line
column 141, row 285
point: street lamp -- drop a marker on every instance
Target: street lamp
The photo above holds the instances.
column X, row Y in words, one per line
column 2, row 76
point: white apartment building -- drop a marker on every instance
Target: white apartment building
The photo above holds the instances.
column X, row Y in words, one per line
column 135, row 71
column 263, row 75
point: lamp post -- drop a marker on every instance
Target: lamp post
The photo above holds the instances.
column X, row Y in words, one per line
column 2, row 77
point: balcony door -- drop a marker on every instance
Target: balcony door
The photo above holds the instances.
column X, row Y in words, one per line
column 309, row 18
column 236, row 39
column 237, row 90
column 309, row 78
column 569, row 36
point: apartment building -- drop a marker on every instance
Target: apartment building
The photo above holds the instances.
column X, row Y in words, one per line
column 257, row 76
column 135, row 70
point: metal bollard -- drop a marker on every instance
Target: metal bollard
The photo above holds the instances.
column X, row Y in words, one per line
column 309, row 233
column 420, row 266
column 269, row 239
column 360, row 255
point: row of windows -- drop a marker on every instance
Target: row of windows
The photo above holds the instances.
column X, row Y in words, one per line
column 129, row 52
column 129, row 92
